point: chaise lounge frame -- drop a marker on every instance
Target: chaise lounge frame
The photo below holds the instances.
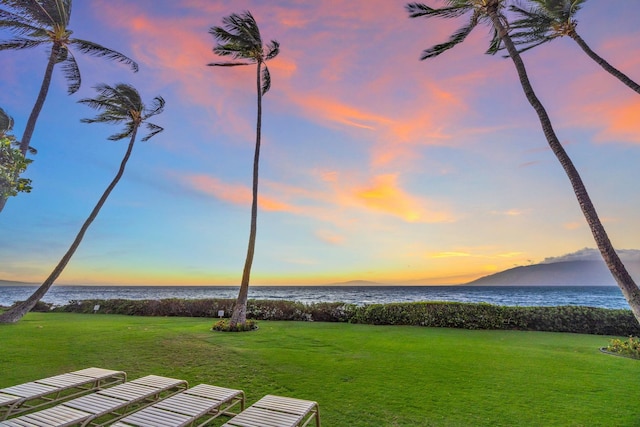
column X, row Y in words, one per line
column 30, row 396
column 102, row 407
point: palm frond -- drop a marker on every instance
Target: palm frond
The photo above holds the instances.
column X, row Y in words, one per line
column 273, row 49
column 18, row 43
column 417, row 10
column 153, row 131
column 6, row 122
column 130, row 127
column 71, row 72
column 227, row 64
column 122, row 104
column 244, row 25
column 239, row 37
column 32, row 11
column 156, row 107
column 456, row 38
column 95, row 49
column 496, row 43
column 19, row 26
column 266, row 79
column 542, row 21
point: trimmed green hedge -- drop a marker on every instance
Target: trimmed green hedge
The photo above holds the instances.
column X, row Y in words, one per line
column 576, row 319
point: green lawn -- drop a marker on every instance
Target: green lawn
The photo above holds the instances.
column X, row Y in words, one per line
column 361, row 375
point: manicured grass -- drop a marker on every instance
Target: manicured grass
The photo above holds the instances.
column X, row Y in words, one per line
column 361, row 375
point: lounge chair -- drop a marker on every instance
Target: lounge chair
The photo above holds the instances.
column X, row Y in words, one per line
column 32, row 395
column 195, row 406
column 277, row 411
column 103, row 407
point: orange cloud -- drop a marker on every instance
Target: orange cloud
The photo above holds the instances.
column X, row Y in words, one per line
column 335, row 111
column 623, row 124
column 384, row 195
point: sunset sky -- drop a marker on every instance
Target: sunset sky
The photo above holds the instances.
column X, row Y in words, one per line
column 374, row 165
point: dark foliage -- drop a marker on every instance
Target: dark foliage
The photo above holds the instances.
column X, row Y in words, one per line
column 575, row 319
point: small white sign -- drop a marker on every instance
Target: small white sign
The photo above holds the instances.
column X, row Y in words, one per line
column 220, row 313
column 96, row 307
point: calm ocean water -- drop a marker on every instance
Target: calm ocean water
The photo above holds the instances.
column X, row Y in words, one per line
column 592, row 296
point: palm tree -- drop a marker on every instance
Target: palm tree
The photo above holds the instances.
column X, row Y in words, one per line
column 240, row 39
column 490, row 11
column 547, row 20
column 45, row 22
column 119, row 104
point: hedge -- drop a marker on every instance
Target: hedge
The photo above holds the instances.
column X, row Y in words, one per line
column 575, row 319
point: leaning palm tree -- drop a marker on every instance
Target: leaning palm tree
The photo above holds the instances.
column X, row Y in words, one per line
column 491, row 12
column 119, row 104
column 45, row 23
column 547, row 20
column 239, row 38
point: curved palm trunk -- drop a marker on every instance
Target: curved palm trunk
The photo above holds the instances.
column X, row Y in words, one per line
column 42, row 95
column 625, row 282
column 604, row 64
column 240, row 309
column 37, row 107
column 16, row 313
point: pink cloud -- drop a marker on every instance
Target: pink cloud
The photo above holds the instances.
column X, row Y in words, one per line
column 236, row 194
column 359, row 80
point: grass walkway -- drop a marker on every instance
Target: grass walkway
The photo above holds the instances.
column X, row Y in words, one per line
column 361, row 375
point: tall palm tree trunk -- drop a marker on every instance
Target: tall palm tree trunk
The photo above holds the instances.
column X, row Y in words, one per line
column 37, row 107
column 42, row 95
column 604, row 64
column 16, row 313
column 616, row 267
column 240, row 309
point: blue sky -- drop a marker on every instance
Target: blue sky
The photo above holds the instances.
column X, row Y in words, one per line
column 375, row 165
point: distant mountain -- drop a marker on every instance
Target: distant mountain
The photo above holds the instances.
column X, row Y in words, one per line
column 560, row 273
column 15, row 283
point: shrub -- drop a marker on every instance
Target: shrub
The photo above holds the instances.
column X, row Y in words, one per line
column 225, row 326
column 331, row 311
column 629, row 348
column 276, row 310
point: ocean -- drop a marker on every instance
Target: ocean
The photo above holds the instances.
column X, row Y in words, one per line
column 591, row 296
